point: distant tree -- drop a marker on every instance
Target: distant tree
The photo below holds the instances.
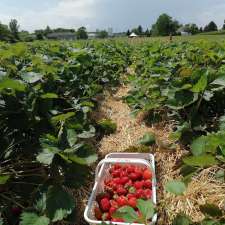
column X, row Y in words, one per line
column 139, row 30
column 14, row 28
column 5, row 34
column 47, row 30
column 147, row 33
column 223, row 25
column 40, row 34
column 128, row 33
column 135, row 30
column 82, row 33
column 102, row 34
column 165, row 26
column 191, row 28
column 200, row 29
column 211, row 27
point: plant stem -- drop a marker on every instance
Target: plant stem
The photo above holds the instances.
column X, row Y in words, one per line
column 12, row 200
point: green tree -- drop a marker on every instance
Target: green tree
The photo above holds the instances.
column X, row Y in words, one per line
column 223, row 25
column 82, row 33
column 47, row 30
column 165, row 26
column 5, row 34
column 147, row 33
column 14, row 28
column 191, row 28
column 140, row 30
column 40, row 34
column 211, row 27
column 128, row 33
column 102, row 34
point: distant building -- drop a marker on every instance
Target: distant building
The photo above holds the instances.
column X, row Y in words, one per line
column 121, row 34
column 92, row 35
column 62, row 36
column 182, row 32
column 133, row 35
column 110, row 32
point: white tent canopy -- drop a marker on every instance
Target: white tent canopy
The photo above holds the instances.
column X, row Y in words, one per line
column 133, row 35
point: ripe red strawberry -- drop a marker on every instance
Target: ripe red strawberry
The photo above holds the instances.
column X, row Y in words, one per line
column 130, row 168
column 98, row 213
column 122, row 201
column 116, row 173
column 140, row 193
column 105, row 205
column 106, row 216
column 112, row 210
column 114, row 204
column 133, row 176
column 117, row 181
column 128, row 184
column 148, row 184
column 132, row 202
column 138, row 172
column 16, row 211
column 117, row 166
column 117, row 220
column 102, row 195
column 123, row 174
column 131, row 196
column 147, row 174
column 124, row 180
column 121, row 190
column 138, row 184
column 148, row 193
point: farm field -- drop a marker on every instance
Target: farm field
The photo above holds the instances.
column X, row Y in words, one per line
column 65, row 105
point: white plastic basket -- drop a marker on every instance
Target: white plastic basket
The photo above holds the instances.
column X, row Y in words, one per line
column 102, row 172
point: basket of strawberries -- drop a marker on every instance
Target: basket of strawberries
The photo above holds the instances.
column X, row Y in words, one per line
column 124, row 191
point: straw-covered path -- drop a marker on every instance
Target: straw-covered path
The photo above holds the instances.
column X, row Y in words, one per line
column 201, row 189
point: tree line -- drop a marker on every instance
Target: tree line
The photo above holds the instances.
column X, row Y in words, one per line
column 166, row 25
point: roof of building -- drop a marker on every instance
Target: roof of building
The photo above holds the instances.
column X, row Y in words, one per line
column 61, row 34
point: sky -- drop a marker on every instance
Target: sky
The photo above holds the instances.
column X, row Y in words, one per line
column 103, row 14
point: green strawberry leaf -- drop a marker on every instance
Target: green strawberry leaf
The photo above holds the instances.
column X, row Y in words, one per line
column 200, row 161
column 176, row 187
column 71, row 137
column 49, row 95
column 16, row 85
column 146, row 208
column 4, row 179
column 147, row 139
column 201, row 84
column 127, row 213
column 31, row 77
column 182, row 219
column 59, row 203
column 211, row 210
column 28, row 218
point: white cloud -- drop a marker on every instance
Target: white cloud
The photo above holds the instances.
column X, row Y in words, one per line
column 67, row 13
column 119, row 14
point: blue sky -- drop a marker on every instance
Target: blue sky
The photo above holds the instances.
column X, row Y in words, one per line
column 118, row 14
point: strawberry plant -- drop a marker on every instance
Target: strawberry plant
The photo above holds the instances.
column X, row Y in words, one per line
column 47, row 92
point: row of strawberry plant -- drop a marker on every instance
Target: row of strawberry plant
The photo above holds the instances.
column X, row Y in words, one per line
column 184, row 83
column 47, row 92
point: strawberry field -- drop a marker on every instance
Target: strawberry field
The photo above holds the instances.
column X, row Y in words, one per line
column 53, row 131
